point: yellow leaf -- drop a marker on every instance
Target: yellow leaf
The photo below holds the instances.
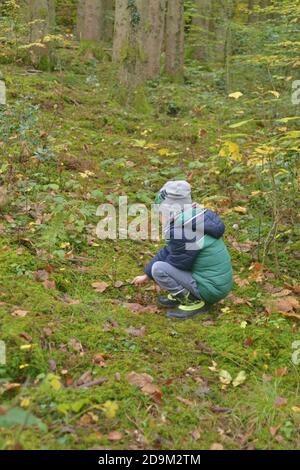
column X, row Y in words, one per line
column 25, row 403
column 110, row 409
column 230, row 149
column 54, row 382
column 240, row 379
column 164, row 153
column 296, row 409
column 236, row 95
column 26, row 347
column 275, row 93
column 225, row 377
column 240, row 209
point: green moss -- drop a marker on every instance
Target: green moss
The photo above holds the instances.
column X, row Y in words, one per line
column 95, row 127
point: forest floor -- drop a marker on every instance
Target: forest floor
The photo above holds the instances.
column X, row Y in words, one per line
column 85, row 144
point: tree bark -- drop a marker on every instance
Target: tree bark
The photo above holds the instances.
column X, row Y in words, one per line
column 153, row 26
column 90, row 20
column 201, row 25
column 109, row 12
column 128, row 45
column 175, row 38
column 41, row 16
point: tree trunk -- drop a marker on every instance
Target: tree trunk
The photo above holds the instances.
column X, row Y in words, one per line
column 153, row 26
column 201, row 26
column 41, row 18
column 128, row 46
column 90, row 20
column 175, row 38
column 41, row 21
column 109, row 12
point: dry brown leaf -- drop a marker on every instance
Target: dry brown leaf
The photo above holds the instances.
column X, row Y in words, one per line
column 196, row 434
column 115, row 436
column 241, row 282
column 11, row 386
column 145, row 383
column 100, row 286
column 283, row 305
column 68, row 300
column 19, row 313
column 280, row 402
column 138, row 308
column 281, row 372
column 216, row 446
column 75, row 344
column 41, row 275
column 99, row 360
column 136, row 331
column 49, row 284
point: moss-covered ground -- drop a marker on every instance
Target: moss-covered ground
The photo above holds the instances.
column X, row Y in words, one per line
column 73, row 139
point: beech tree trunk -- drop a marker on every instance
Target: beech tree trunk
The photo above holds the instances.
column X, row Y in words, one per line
column 128, row 45
column 174, row 38
column 109, row 12
column 153, row 25
column 41, row 16
column 201, row 26
column 91, row 20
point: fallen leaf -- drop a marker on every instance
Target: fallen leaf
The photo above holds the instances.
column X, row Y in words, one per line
column 110, row 409
column 68, row 300
column 100, row 286
column 196, row 434
column 236, row 95
column 138, row 308
column 274, row 430
column 19, row 313
column 281, row 372
column 99, row 360
column 225, row 377
column 185, row 401
column 145, row 383
column 49, row 284
column 41, row 275
column 248, row 342
column 220, row 409
column 26, row 336
column 75, row 344
column 283, row 305
column 115, row 436
column 136, row 331
column 240, row 379
column 118, row 284
column 280, row 402
column 216, row 446
column 11, row 386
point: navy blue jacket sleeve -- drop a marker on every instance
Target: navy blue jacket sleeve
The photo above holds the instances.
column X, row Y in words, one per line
column 179, row 256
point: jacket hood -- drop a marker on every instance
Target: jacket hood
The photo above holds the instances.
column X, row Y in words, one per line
column 193, row 224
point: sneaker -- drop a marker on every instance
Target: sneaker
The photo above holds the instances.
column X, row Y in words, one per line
column 188, row 310
column 169, row 301
column 174, row 300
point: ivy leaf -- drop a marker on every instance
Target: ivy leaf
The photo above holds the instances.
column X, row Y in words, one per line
column 19, row 417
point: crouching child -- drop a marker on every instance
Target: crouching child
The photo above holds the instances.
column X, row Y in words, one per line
column 194, row 267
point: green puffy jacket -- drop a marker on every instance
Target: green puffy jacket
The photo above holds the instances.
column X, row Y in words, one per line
column 212, row 270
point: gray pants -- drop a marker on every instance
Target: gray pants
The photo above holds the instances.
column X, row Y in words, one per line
column 174, row 280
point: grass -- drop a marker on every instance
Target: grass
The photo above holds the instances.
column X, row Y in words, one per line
column 100, row 138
